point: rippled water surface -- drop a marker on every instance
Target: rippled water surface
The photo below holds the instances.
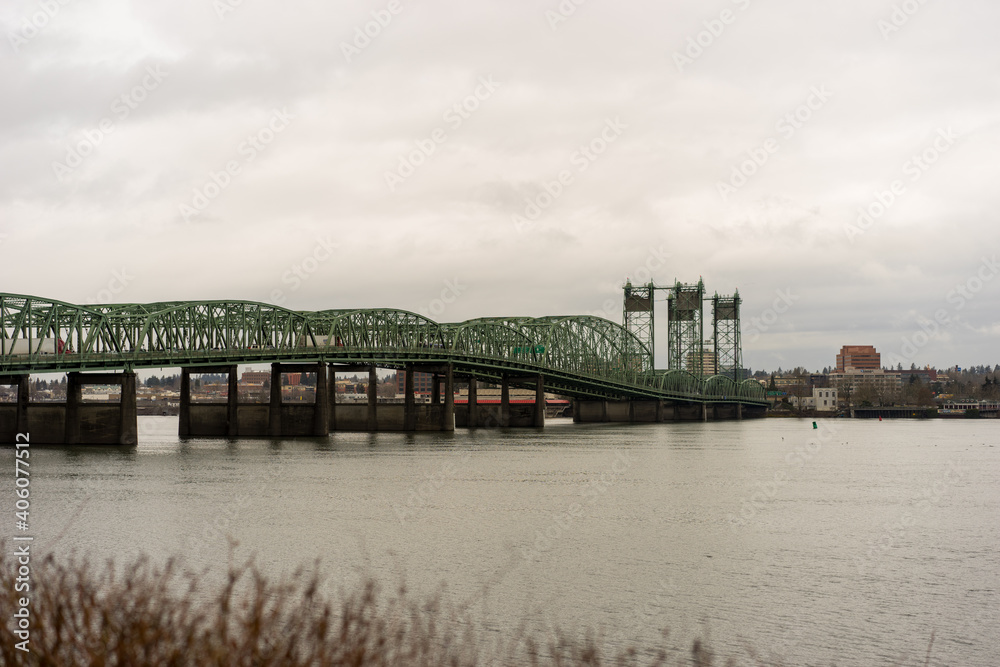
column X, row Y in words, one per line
column 848, row 544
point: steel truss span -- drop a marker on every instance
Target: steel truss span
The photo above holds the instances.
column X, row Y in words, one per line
column 580, row 356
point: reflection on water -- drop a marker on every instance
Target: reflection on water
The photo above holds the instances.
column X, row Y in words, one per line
column 848, row 544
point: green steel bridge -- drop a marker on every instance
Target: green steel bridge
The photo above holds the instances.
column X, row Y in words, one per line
column 579, row 356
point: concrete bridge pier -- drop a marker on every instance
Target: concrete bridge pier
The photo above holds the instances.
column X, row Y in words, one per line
column 99, row 423
column 373, row 416
column 539, row 402
column 14, row 418
column 274, row 419
column 75, row 422
column 505, row 414
column 473, row 404
column 504, row 401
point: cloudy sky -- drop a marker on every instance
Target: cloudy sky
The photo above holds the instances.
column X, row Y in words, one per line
column 836, row 162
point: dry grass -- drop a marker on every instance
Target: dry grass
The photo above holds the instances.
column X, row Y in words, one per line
column 147, row 614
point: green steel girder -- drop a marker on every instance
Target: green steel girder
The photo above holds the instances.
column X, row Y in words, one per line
column 582, row 356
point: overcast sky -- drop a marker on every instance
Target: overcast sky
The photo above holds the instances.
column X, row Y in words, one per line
column 468, row 159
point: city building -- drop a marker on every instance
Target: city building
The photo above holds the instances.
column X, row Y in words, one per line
column 858, row 357
column 925, row 375
column 255, row 377
column 823, row 399
column 709, row 362
column 880, row 381
column 423, row 383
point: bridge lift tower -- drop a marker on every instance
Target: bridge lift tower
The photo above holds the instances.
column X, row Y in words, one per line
column 685, row 328
column 638, row 314
column 726, row 328
column 687, row 348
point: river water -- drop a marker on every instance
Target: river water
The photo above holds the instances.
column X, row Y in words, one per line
column 847, row 544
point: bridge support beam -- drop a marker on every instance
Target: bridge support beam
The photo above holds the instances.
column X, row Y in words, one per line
column 409, row 401
column 372, row 399
column 448, row 413
column 331, row 421
column 18, row 421
column 473, row 420
column 321, row 416
column 74, row 396
column 504, row 401
column 232, row 402
column 184, row 420
column 274, row 406
column 539, row 402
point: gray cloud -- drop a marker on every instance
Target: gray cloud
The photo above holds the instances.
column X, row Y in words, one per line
column 656, row 184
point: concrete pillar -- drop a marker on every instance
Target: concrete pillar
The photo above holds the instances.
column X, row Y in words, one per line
column 631, row 411
column 232, row 403
column 659, row 411
column 436, row 394
column 448, row 414
column 274, row 412
column 321, row 416
column 23, row 397
column 473, row 402
column 739, row 411
column 604, row 410
column 504, row 401
column 576, row 410
column 409, row 402
column 704, row 412
column 539, row 416
column 372, row 399
column 184, row 422
column 73, row 397
column 332, row 390
column 128, row 430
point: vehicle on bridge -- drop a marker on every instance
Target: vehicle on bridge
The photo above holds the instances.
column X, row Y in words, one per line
column 23, row 346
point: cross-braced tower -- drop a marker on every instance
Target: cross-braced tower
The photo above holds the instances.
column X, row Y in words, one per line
column 685, row 328
column 726, row 328
column 638, row 314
